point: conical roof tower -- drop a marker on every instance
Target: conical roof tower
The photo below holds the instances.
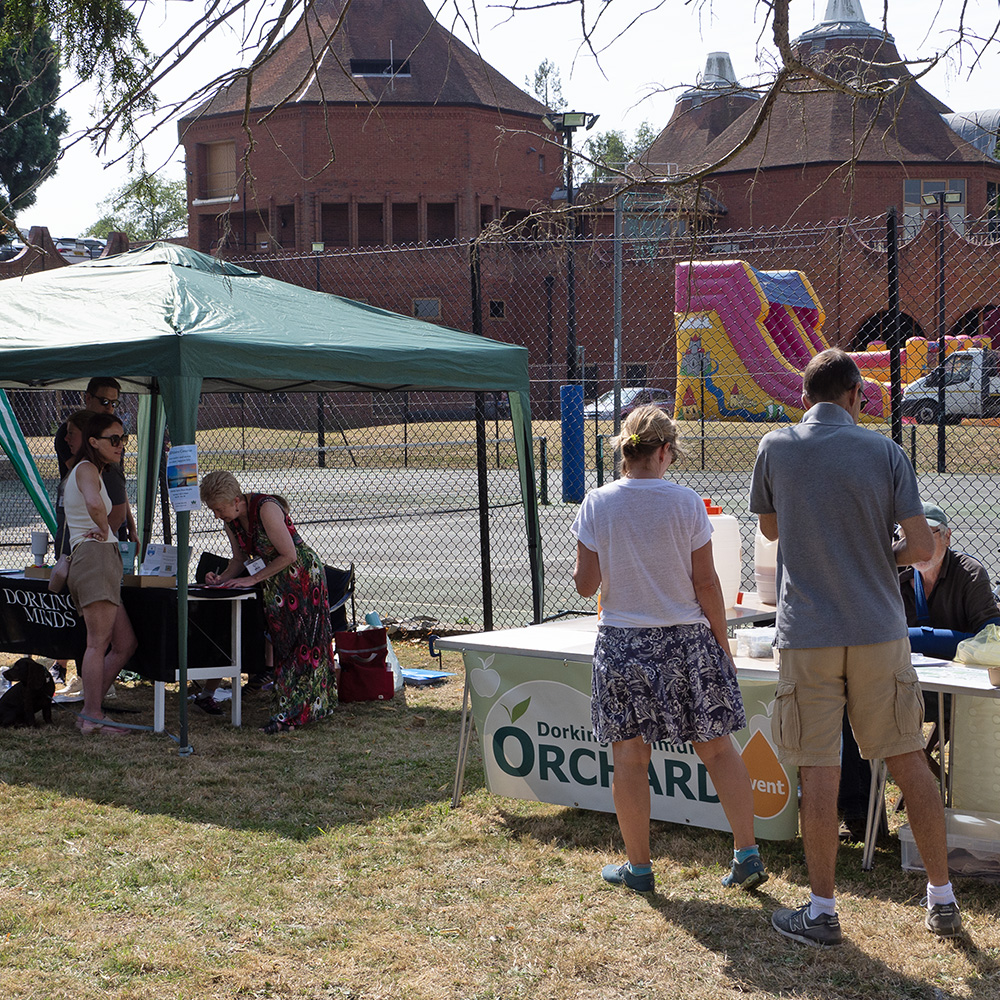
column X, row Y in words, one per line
column 383, row 51
column 700, row 115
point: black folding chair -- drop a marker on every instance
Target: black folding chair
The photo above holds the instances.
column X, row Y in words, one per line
column 340, row 584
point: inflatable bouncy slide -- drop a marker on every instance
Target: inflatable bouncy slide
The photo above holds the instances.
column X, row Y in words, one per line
column 744, row 337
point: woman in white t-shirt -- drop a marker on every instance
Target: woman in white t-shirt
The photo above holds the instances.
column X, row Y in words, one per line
column 662, row 669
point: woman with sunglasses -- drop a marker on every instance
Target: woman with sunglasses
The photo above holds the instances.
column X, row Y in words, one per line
column 95, row 571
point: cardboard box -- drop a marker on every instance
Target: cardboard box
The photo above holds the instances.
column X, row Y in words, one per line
column 973, row 845
column 131, row 580
column 37, row 572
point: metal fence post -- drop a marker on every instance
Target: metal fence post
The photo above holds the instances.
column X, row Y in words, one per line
column 543, row 471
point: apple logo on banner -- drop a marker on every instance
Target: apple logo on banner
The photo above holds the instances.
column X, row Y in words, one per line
column 485, row 682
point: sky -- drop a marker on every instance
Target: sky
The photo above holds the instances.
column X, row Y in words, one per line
column 643, row 63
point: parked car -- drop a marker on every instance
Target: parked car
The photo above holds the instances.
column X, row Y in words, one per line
column 631, row 396
column 75, row 249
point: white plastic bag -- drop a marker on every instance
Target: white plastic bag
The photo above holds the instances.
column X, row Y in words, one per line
column 983, row 648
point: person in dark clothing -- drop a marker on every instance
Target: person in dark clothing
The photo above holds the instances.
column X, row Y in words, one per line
column 947, row 599
column 102, row 395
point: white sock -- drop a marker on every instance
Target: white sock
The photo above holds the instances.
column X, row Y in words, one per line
column 939, row 894
column 820, row 904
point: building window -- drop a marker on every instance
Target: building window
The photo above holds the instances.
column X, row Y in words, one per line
column 441, row 220
column 371, row 231
column 915, row 211
column 404, row 223
column 498, row 309
column 380, row 67
column 336, row 230
column 427, row 308
column 220, row 169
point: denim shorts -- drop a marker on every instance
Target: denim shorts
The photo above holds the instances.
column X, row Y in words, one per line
column 670, row 683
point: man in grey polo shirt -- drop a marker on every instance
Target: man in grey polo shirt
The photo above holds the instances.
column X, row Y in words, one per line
column 832, row 492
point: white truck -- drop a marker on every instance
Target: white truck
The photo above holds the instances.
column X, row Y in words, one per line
column 971, row 388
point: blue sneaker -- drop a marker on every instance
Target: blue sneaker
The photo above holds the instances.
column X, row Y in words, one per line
column 746, row 874
column 622, row 875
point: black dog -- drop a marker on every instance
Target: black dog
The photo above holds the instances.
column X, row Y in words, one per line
column 32, row 690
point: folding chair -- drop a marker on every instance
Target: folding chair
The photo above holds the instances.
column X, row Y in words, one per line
column 340, row 584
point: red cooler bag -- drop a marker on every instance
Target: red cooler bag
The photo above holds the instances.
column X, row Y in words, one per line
column 365, row 674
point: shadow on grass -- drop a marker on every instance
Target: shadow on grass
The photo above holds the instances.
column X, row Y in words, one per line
column 754, row 956
column 363, row 761
column 691, row 857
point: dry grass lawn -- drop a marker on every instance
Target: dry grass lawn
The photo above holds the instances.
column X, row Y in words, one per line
column 330, row 864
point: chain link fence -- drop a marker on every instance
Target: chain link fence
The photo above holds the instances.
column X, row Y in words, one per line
column 715, row 326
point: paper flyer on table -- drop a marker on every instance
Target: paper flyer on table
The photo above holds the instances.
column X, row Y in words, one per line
column 182, row 477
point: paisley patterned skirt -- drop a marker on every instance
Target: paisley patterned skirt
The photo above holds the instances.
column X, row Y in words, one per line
column 669, row 683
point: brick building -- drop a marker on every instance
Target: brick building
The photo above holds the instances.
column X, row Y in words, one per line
column 825, row 155
column 432, row 144
column 398, row 134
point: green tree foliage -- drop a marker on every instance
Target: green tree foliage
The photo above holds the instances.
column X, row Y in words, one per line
column 547, row 85
column 611, row 151
column 99, row 40
column 146, row 208
column 30, row 123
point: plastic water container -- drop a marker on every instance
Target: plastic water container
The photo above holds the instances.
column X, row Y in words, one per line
column 727, row 552
column 765, row 566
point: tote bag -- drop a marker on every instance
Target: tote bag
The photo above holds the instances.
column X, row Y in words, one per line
column 365, row 674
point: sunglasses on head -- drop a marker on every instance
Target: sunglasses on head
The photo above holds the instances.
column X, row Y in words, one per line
column 115, row 439
column 106, row 402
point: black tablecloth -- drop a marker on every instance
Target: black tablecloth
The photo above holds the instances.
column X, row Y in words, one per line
column 35, row 622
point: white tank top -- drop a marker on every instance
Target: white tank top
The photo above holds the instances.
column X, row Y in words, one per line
column 78, row 519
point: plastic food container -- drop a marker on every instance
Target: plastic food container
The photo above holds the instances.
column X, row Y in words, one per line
column 755, row 642
column 973, row 845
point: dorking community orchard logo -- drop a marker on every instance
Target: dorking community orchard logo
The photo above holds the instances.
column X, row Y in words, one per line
column 538, row 744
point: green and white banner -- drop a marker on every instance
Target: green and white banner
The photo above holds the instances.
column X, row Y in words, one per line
column 13, row 443
column 533, row 718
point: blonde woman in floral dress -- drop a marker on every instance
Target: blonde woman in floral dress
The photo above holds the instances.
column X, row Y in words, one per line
column 296, row 602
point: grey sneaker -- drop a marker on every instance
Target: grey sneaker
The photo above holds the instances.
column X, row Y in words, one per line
column 823, row 932
column 746, row 874
column 622, row 875
column 944, row 920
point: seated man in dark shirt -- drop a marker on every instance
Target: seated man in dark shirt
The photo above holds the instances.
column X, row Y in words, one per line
column 947, row 599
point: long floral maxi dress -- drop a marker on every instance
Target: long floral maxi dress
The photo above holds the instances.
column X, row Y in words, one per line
column 297, row 609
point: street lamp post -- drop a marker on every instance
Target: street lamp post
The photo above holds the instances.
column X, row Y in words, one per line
column 941, row 198
column 317, row 249
column 566, row 123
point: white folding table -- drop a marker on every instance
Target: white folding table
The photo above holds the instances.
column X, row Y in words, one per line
column 232, row 670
